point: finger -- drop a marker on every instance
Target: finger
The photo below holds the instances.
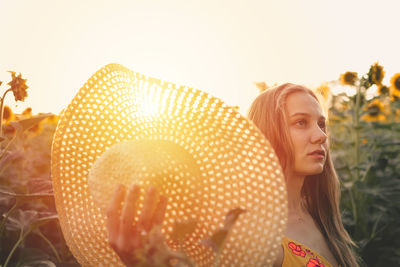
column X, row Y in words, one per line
column 159, row 213
column 150, row 202
column 128, row 215
column 113, row 213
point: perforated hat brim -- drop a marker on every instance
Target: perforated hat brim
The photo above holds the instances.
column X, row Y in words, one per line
column 228, row 164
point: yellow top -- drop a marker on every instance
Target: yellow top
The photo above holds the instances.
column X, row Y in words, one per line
column 296, row 254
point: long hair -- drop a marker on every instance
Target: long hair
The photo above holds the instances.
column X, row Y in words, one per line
column 321, row 192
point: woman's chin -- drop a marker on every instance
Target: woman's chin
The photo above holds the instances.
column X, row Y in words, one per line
column 314, row 170
column 317, row 170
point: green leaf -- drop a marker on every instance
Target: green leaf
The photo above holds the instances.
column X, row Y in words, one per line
column 25, row 124
column 28, row 256
column 43, row 220
column 6, row 196
column 28, row 220
column 7, row 193
column 39, row 185
column 21, row 219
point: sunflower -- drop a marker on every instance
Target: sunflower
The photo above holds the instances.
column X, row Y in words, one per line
column 18, row 87
column 348, row 78
column 324, row 90
column 376, row 74
column 395, row 85
column 262, row 86
column 375, row 111
column 383, row 90
column 364, row 141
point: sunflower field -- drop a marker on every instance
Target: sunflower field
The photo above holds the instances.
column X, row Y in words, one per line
column 365, row 142
column 30, row 234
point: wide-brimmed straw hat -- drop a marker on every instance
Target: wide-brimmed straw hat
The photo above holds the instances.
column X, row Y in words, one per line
column 125, row 127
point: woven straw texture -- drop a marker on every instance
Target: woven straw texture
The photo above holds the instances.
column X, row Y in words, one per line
column 125, row 127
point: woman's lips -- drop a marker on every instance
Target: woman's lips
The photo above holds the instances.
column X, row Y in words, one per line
column 316, row 156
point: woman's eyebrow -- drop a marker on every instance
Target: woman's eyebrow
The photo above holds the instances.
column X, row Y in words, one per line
column 300, row 114
column 307, row 115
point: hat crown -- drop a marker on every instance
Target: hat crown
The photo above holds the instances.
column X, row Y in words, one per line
column 162, row 164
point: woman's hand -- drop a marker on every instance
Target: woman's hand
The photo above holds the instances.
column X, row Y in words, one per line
column 125, row 234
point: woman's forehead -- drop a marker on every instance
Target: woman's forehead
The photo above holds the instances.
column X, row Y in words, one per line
column 302, row 103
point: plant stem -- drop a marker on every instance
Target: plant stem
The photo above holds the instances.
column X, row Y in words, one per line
column 372, row 236
column 7, row 146
column 26, row 195
column 366, row 172
column 356, row 136
column 21, row 238
column 353, row 205
column 50, row 245
column 1, row 110
column 3, row 222
column 357, row 131
column 392, row 111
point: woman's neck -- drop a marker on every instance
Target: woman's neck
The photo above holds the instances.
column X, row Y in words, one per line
column 294, row 183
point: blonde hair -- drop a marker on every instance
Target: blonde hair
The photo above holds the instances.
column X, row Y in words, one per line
column 321, row 192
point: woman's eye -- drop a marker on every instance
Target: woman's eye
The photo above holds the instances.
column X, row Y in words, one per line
column 322, row 125
column 301, row 123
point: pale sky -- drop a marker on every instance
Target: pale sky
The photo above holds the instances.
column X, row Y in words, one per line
column 221, row 47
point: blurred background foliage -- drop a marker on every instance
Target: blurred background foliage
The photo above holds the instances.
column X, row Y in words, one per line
column 30, row 234
column 365, row 142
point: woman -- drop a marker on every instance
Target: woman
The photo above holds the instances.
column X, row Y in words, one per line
column 291, row 118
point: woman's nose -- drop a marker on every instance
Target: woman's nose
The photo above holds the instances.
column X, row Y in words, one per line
column 319, row 136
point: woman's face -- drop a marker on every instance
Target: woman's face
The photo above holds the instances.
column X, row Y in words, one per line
column 307, row 131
